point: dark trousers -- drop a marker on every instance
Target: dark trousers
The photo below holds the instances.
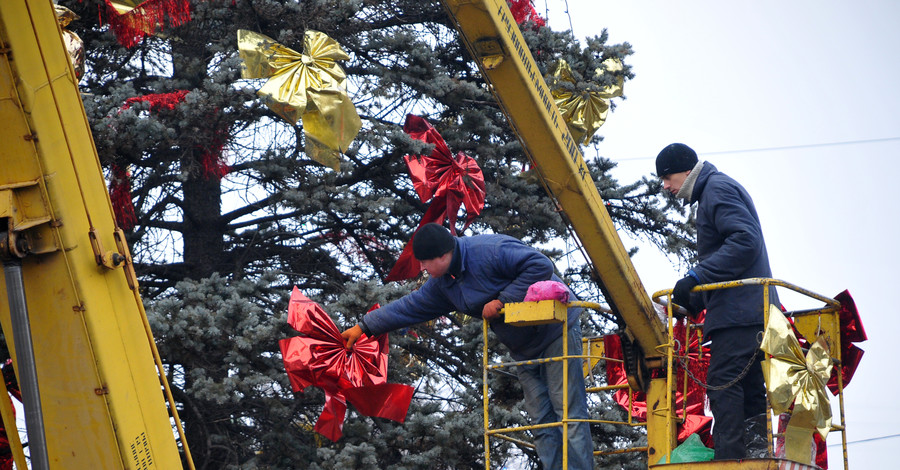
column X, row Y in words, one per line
column 732, row 349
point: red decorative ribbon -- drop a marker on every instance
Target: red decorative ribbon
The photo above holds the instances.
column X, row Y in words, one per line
column 852, row 331
column 698, row 363
column 448, row 181
column 358, row 376
column 120, row 196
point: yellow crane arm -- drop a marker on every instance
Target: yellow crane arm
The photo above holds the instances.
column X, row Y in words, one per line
column 67, row 269
column 494, row 40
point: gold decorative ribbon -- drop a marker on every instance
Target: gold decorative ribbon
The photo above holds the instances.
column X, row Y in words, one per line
column 74, row 44
column 586, row 111
column 309, row 87
column 798, row 380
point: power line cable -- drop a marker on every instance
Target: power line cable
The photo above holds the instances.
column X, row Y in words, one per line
column 786, row 147
column 880, row 438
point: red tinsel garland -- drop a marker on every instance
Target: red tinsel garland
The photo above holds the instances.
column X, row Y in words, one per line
column 211, row 156
column 158, row 100
column 523, row 11
column 146, row 19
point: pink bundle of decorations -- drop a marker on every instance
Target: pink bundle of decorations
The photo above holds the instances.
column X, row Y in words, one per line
column 547, row 290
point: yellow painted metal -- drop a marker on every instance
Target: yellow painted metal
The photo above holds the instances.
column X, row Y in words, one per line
column 522, row 93
column 534, row 313
column 595, row 349
column 100, row 390
column 565, row 395
column 815, row 324
column 661, row 440
column 594, row 354
column 485, row 398
column 749, row 464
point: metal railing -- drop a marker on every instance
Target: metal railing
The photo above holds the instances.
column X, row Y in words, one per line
column 502, row 433
column 831, row 309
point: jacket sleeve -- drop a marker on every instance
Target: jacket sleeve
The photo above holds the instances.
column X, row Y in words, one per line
column 523, row 265
column 741, row 234
column 424, row 304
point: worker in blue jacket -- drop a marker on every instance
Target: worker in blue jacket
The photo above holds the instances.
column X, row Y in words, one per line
column 476, row 276
column 730, row 247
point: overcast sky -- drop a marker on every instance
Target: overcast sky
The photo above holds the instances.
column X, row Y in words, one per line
column 798, row 101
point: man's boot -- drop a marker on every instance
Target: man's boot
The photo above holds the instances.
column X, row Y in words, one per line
column 756, row 440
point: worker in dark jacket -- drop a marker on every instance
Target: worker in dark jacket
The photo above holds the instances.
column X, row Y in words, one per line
column 730, row 247
column 476, row 276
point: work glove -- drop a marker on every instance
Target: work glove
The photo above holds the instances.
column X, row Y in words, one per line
column 351, row 335
column 681, row 293
column 491, row 310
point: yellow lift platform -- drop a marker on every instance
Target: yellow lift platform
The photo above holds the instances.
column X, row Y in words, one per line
column 812, row 324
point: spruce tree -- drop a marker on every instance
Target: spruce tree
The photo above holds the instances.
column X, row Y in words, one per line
column 218, row 249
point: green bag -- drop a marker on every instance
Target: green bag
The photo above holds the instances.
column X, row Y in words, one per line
column 691, row 450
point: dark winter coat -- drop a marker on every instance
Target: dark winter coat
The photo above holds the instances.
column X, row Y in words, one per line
column 730, row 247
column 490, row 267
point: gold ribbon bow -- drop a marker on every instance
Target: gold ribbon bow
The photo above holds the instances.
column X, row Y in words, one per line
column 586, row 111
column 74, row 44
column 309, row 86
column 792, row 378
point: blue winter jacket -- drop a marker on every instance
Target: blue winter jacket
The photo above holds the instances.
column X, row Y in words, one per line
column 492, row 267
column 730, row 246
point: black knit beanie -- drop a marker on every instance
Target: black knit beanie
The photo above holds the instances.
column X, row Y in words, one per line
column 432, row 241
column 675, row 158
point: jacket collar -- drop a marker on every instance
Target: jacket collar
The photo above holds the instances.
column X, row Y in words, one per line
column 688, row 186
column 702, row 178
column 456, row 264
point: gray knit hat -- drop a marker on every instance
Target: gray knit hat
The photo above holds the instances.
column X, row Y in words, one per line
column 432, row 241
column 675, row 158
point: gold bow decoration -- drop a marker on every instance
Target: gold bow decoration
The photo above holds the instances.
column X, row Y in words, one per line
column 74, row 44
column 584, row 112
column 309, row 87
column 798, row 380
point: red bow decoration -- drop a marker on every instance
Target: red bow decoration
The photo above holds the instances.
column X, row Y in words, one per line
column 852, row 331
column 358, row 376
column 448, row 181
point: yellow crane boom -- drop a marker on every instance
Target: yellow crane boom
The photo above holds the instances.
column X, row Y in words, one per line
column 71, row 296
column 494, row 40
column 498, row 47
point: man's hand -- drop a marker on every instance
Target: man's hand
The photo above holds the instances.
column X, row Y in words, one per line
column 681, row 293
column 350, row 336
column 491, row 310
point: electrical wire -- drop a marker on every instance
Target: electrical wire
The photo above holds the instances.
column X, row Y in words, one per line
column 786, row 147
column 880, row 438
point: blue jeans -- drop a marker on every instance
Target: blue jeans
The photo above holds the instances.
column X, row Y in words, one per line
column 543, row 384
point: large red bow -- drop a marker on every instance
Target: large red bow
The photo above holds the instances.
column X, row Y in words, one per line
column 358, row 376
column 448, row 181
